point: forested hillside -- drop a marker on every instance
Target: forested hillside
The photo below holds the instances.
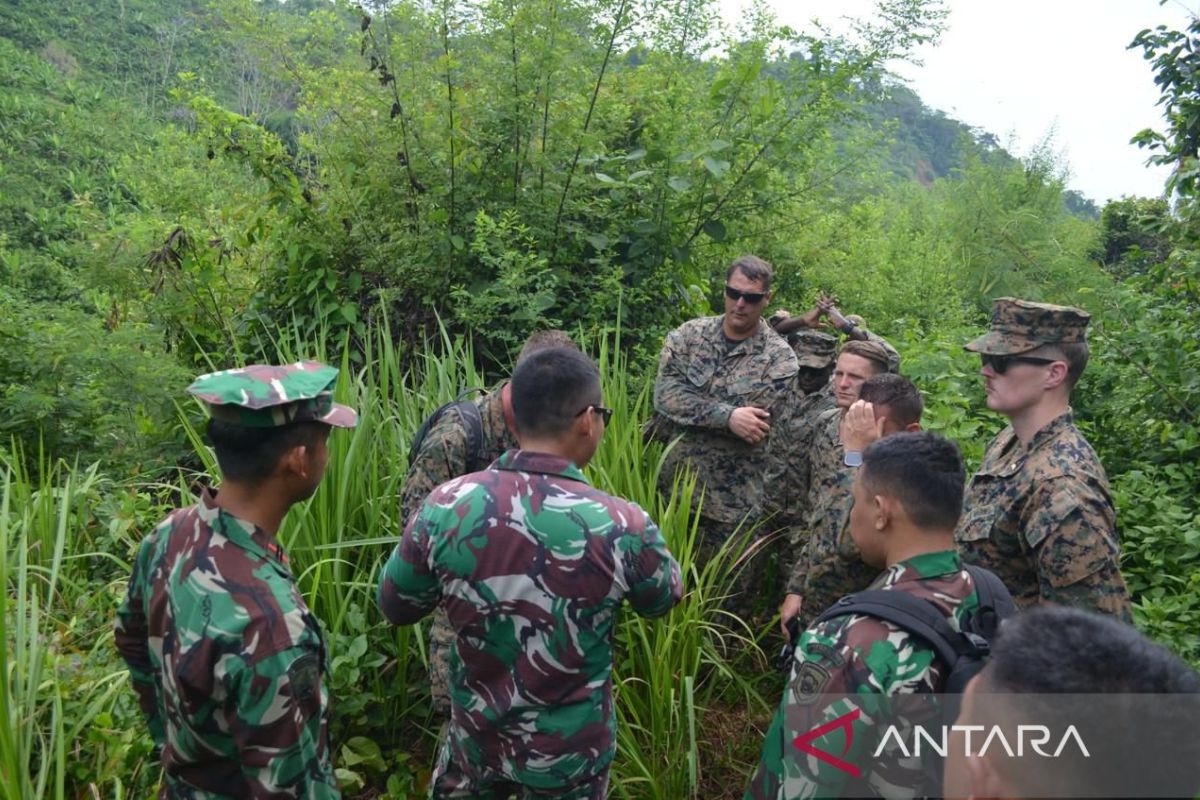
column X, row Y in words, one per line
column 408, row 189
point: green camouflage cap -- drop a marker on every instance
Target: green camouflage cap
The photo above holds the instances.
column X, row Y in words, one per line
column 267, row 396
column 813, row 348
column 1019, row 326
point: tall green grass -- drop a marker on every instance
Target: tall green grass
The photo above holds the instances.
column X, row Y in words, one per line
column 73, row 728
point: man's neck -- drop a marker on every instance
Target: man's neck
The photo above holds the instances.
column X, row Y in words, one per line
column 551, row 447
column 735, row 337
column 260, row 505
column 911, row 542
column 1028, row 422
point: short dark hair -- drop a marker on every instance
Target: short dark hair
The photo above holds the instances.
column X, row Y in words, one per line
column 923, row 471
column 1076, row 355
column 899, row 394
column 754, row 268
column 540, row 340
column 550, row 388
column 1058, row 651
column 250, row 455
column 1062, row 650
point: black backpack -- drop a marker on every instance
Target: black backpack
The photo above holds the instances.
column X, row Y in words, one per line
column 472, row 421
column 964, row 653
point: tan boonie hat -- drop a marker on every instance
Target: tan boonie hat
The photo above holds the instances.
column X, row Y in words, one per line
column 269, row 396
column 1019, row 326
column 813, row 348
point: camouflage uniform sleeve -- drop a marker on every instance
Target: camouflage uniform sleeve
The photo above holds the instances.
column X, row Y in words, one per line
column 1075, row 547
column 131, row 637
column 679, row 399
column 814, row 711
column 442, row 457
column 655, row 583
column 278, row 724
column 408, row 589
column 846, row 675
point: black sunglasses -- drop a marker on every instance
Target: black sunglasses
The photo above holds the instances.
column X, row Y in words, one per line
column 1000, row 364
column 750, row 297
column 605, row 413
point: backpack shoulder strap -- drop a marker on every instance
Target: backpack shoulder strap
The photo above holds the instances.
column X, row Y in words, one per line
column 995, row 601
column 913, row 614
column 472, row 422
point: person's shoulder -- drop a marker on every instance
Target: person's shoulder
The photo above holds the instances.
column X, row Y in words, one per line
column 775, row 345
column 1064, row 453
column 698, row 328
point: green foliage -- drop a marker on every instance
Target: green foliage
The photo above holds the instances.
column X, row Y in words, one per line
column 1175, row 58
column 1134, row 235
column 69, row 385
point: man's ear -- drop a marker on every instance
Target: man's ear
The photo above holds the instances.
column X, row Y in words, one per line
column 1057, row 375
column 885, row 509
column 295, row 461
column 986, row 781
column 912, row 427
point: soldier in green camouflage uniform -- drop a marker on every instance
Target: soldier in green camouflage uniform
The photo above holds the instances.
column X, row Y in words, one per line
column 828, row 567
column 861, row 662
column 225, row 657
column 720, row 383
column 443, row 455
column 1038, row 512
column 532, row 565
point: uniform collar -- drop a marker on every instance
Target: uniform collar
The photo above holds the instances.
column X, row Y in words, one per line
column 245, row 535
column 1013, row 452
column 1053, row 428
column 544, row 463
column 758, row 334
column 926, row 565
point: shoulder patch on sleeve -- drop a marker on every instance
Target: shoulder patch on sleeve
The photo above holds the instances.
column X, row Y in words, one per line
column 810, row 682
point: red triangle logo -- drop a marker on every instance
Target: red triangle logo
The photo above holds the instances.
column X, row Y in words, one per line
column 804, row 742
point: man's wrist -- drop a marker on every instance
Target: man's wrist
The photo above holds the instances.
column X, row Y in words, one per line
column 852, row 458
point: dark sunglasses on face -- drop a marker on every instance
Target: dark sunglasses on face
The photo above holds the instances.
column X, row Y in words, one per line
column 1000, row 364
column 605, row 413
column 750, row 297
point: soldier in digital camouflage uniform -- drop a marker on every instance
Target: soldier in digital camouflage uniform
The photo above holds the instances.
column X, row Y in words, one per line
column 225, row 657
column 820, row 575
column 532, row 565
column 443, row 455
column 719, row 386
column 861, row 662
column 811, row 395
column 1038, row 512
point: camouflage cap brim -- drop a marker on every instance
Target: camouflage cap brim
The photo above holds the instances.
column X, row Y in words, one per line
column 340, row 416
column 995, row 343
column 268, row 396
column 1019, row 326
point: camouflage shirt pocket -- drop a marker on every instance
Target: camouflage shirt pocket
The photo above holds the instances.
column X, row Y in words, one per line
column 700, row 372
column 977, row 523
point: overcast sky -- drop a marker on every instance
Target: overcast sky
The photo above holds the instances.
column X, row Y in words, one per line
column 1025, row 68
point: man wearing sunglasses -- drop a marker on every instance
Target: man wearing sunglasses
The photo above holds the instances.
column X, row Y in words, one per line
column 532, row 565
column 719, row 379
column 1039, row 513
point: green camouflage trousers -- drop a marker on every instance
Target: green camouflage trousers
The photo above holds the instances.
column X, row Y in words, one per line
column 450, row 781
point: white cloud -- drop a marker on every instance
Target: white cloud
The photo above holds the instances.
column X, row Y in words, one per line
column 1024, row 68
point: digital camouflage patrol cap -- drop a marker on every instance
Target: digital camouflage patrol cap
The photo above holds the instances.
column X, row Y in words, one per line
column 1019, row 326
column 268, row 396
column 813, row 348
